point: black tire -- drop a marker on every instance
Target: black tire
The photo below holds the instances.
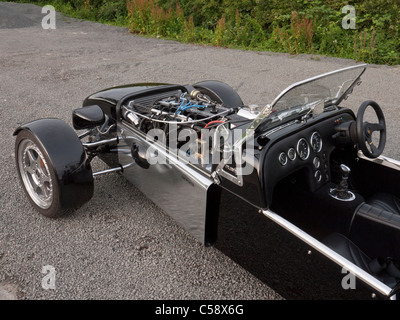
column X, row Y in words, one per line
column 45, row 198
column 220, row 92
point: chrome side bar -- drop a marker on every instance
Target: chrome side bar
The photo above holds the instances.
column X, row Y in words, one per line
column 121, row 168
column 101, row 142
column 84, row 134
column 329, row 253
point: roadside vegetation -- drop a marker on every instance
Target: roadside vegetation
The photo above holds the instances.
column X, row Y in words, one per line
column 292, row 26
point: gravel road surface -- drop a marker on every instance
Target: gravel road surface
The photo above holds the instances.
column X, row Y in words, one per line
column 120, row 245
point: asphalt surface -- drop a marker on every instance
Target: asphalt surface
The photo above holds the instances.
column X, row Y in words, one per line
column 120, row 245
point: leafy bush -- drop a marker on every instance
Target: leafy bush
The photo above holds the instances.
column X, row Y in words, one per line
column 300, row 26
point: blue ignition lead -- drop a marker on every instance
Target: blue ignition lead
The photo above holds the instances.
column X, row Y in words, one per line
column 192, row 106
column 182, row 105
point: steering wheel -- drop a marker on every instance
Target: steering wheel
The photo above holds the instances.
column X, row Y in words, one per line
column 365, row 130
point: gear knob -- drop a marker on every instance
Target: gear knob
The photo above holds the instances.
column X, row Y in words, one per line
column 345, row 170
column 342, row 192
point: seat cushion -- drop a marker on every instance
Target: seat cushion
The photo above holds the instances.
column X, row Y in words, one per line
column 385, row 201
column 348, row 250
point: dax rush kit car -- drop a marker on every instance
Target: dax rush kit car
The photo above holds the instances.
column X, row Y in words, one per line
column 309, row 169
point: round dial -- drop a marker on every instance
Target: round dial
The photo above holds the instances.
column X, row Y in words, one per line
column 303, row 149
column 316, row 162
column 283, row 158
column 291, row 154
column 316, row 142
column 318, row 175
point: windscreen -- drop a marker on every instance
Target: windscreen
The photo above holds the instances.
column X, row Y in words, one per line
column 314, row 94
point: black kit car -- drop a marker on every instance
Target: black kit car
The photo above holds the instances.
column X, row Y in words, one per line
column 304, row 164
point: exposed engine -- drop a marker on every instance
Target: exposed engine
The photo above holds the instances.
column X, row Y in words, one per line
column 196, row 112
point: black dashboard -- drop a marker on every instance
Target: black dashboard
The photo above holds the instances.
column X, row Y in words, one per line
column 305, row 147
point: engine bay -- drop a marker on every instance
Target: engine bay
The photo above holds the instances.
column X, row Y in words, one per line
column 194, row 110
column 189, row 121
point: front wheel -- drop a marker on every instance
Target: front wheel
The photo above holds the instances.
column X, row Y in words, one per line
column 37, row 175
column 52, row 167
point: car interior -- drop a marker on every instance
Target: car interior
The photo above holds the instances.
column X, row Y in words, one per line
column 346, row 199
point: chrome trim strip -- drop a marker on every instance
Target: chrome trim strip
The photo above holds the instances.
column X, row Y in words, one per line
column 329, row 253
column 385, row 161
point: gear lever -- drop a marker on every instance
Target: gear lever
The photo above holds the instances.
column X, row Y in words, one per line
column 342, row 192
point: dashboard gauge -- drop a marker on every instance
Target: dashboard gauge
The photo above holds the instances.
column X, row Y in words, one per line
column 316, row 142
column 316, row 162
column 318, row 175
column 303, row 149
column 283, row 158
column 291, row 154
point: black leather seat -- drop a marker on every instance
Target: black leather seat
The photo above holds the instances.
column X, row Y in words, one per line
column 377, row 267
column 348, row 250
column 385, row 201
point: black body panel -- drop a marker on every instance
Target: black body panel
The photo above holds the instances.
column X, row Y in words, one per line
column 111, row 99
column 115, row 94
column 278, row 258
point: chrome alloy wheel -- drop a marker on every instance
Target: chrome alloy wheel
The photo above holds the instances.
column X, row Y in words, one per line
column 35, row 174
